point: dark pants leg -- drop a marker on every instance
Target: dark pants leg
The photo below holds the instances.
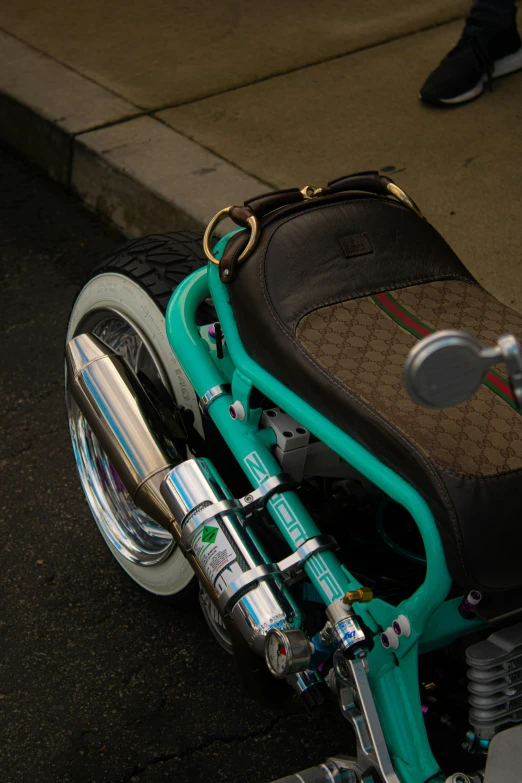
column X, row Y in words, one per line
column 498, row 12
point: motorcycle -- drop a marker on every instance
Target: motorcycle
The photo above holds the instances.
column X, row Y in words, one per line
column 302, row 420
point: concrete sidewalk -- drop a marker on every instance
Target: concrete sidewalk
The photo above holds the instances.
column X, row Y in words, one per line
column 160, row 118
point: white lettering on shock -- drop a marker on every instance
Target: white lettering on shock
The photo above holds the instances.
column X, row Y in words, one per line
column 282, row 509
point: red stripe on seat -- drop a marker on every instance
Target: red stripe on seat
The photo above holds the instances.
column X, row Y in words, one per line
column 390, row 305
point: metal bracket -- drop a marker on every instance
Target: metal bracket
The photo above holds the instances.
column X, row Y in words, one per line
column 292, row 440
column 289, row 433
column 254, row 500
column 249, row 578
column 259, row 497
column 358, row 707
column 294, row 563
column 287, row 568
column 212, row 394
column 299, row 454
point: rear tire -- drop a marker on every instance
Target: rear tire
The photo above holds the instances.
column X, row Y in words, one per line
column 125, row 302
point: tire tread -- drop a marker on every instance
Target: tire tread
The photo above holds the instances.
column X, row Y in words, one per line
column 158, row 262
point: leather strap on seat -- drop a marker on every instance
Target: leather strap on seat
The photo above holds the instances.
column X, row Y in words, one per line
column 261, row 206
column 267, row 202
column 371, row 181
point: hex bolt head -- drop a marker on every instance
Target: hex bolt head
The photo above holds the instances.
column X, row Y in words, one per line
column 237, row 411
column 390, row 638
column 404, row 625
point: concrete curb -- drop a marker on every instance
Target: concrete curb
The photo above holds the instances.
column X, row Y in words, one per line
column 131, row 167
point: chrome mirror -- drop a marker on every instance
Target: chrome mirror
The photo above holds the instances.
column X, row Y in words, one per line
column 448, row 367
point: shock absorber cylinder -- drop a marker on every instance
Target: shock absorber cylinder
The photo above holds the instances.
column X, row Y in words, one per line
column 213, row 530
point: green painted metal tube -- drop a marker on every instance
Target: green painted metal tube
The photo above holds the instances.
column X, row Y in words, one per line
column 446, row 624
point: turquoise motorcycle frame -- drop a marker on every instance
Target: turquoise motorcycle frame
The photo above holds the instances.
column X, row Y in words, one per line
column 435, row 621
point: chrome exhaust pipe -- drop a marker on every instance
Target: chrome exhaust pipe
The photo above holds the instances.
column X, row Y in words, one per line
column 124, row 420
column 126, row 423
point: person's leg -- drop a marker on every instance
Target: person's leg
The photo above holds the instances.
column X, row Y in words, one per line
column 489, row 47
column 497, row 12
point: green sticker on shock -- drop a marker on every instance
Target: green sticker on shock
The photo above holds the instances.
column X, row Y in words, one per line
column 209, row 534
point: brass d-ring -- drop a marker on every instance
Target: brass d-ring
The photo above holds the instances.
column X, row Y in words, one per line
column 214, row 223
column 399, row 194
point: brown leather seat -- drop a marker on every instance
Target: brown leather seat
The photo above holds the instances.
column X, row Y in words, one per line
column 331, row 302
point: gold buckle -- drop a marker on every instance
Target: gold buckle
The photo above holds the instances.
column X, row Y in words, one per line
column 403, row 197
column 310, row 191
column 214, row 223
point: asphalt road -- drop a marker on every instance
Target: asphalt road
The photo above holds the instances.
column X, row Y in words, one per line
column 99, row 682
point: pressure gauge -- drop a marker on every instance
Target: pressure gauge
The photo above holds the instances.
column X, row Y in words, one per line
column 287, row 652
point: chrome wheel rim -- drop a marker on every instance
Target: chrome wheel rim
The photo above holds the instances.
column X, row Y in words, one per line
column 136, row 536
column 215, row 622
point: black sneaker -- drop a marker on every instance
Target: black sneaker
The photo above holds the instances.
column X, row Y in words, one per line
column 483, row 53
